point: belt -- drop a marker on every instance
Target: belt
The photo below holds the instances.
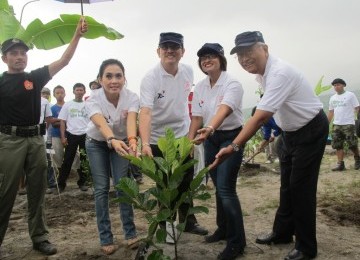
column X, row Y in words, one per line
column 23, row 131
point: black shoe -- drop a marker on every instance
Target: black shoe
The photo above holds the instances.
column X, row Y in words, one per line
column 45, row 247
column 197, row 230
column 230, row 253
column 340, row 166
column 296, row 255
column 273, row 238
column 216, row 237
column 83, row 187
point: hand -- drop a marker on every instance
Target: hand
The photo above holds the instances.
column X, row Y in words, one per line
column 120, row 147
column 271, row 139
column 221, row 156
column 64, row 141
column 146, row 150
column 82, row 27
column 203, row 134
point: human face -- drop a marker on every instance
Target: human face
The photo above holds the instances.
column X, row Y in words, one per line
column 170, row 53
column 339, row 88
column 113, row 79
column 210, row 63
column 59, row 94
column 16, row 59
column 253, row 59
column 45, row 95
column 79, row 93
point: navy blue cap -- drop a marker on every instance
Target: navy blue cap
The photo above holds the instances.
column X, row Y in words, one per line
column 208, row 48
column 247, row 39
column 171, row 37
column 338, row 81
column 10, row 43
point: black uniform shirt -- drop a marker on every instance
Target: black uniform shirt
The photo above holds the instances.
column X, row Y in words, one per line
column 20, row 99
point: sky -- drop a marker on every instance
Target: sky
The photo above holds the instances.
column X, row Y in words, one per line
column 319, row 37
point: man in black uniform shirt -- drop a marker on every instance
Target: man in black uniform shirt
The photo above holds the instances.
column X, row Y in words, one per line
column 22, row 147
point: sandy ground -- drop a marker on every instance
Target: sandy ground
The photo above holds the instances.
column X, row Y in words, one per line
column 72, row 223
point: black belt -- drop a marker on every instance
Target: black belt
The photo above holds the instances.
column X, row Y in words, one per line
column 23, row 131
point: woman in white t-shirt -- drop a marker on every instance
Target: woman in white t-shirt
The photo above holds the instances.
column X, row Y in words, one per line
column 217, row 118
column 112, row 110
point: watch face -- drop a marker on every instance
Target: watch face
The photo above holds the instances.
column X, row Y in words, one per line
column 235, row 147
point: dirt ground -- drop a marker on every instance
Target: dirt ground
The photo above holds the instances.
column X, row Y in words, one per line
column 72, row 223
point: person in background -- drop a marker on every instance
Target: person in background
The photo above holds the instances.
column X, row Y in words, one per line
column 164, row 95
column 113, row 112
column 217, row 119
column 73, row 124
column 94, row 85
column 22, row 145
column 342, row 108
column 290, row 98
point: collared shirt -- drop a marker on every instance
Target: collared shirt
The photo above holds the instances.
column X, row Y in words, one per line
column 167, row 96
column 45, row 110
column 207, row 100
column 288, row 95
column 116, row 117
column 76, row 117
column 343, row 106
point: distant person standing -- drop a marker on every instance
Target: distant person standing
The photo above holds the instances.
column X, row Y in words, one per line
column 73, row 126
column 290, row 98
column 22, row 145
column 342, row 108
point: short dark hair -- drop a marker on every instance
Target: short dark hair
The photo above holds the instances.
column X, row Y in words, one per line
column 338, row 81
column 58, row 87
column 94, row 82
column 78, row 85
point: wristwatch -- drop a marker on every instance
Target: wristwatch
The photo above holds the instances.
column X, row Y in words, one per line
column 235, row 147
column 109, row 141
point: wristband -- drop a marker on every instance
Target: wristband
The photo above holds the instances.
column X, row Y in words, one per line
column 109, row 141
column 145, row 144
column 212, row 130
column 132, row 137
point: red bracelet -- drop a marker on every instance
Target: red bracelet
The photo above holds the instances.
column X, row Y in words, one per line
column 132, row 137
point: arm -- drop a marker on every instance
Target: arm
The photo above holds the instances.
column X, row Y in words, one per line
column 62, row 132
column 144, row 130
column 215, row 122
column 56, row 66
column 330, row 115
column 250, row 128
column 196, row 123
column 131, row 131
column 118, row 145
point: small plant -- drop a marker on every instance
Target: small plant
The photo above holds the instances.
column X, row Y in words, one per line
column 86, row 168
column 167, row 172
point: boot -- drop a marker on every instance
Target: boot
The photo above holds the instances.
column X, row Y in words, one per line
column 339, row 167
column 357, row 162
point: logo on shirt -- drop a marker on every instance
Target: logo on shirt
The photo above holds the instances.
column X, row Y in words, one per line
column 28, row 85
column 161, row 94
column 201, row 103
column 220, row 99
column 187, row 86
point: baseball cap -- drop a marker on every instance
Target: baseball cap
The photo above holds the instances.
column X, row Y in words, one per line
column 211, row 48
column 10, row 43
column 171, row 37
column 247, row 39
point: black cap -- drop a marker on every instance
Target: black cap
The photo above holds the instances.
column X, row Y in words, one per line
column 247, row 39
column 338, row 81
column 211, row 48
column 171, row 37
column 10, row 43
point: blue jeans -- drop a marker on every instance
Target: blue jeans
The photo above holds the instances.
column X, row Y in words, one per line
column 229, row 217
column 105, row 162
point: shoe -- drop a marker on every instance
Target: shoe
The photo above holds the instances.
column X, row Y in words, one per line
column 132, row 243
column 216, row 237
column 339, row 167
column 83, row 188
column 296, row 255
column 109, row 249
column 45, row 247
column 357, row 162
column 230, row 253
column 272, row 238
column 197, row 230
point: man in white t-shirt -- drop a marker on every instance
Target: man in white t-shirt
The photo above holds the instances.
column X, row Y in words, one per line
column 342, row 108
column 73, row 125
column 164, row 95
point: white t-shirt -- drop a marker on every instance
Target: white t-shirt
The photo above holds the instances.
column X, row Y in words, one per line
column 167, row 96
column 75, row 115
column 227, row 91
column 116, row 117
column 343, row 106
column 288, row 95
column 45, row 110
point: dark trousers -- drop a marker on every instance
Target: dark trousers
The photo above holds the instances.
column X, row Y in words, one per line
column 74, row 142
column 300, row 157
column 184, row 186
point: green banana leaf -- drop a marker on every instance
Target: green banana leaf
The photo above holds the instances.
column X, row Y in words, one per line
column 54, row 34
column 319, row 88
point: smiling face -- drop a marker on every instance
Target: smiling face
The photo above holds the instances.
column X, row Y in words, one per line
column 112, row 79
column 170, row 53
column 210, row 63
column 253, row 59
column 16, row 59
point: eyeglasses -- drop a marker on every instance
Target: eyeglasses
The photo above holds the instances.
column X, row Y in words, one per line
column 208, row 56
column 247, row 52
column 169, row 45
